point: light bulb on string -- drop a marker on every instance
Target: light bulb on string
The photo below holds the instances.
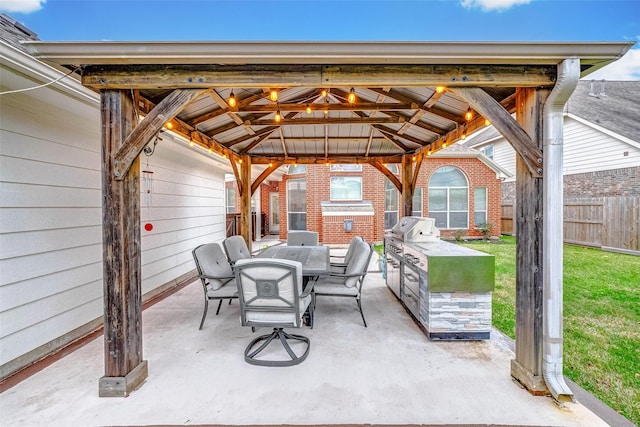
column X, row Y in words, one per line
column 351, row 98
column 232, row 101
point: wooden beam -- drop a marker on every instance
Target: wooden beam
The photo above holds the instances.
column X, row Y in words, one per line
column 167, row 109
column 416, row 169
column 461, row 132
column 386, row 172
column 124, row 368
column 302, row 107
column 326, row 120
column 530, row 153
column 319, row 159
column 245, row 199
column 407, row 185
column 163, row 76
column 264, row 175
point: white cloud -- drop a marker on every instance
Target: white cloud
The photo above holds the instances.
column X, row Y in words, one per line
column 489, row 5
column 625, row 68
column 21, row 6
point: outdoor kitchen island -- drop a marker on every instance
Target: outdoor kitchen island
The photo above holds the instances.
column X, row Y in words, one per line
column 444, row 286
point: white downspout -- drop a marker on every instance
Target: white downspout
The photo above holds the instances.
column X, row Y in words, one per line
column 568, row 76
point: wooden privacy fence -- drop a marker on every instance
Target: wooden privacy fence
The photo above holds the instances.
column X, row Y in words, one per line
column 610, row 223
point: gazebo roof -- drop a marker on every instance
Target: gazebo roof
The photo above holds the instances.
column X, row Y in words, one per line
column 398, row 108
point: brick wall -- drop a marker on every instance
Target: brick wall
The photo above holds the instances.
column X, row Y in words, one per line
column 616, row 182
column 478, row 175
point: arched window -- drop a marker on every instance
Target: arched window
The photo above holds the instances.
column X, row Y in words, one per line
column 449, row 198
column 293, row 169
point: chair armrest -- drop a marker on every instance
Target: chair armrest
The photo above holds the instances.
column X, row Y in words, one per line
column 205, row 276
column 308, row 288
column 344, row 275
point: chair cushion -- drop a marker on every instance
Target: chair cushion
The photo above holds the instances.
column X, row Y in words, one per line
column 358, row 263
column 333, row 286
column 213, row 265
column 228, row 290
column 284, row 319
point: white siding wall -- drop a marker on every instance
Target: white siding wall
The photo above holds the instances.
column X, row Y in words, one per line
column 50, row 211
column 586, row 149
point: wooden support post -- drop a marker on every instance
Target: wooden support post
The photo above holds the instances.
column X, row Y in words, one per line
column 245, row 199
column 124, row 367
column 527, row 366
column 407, row 185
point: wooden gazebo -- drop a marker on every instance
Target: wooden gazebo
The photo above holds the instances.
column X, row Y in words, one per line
column 262, row 105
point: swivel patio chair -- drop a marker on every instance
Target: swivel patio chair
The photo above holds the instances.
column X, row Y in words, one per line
column 302, row 238
column 216, row 275
column 271, row 295
column 236, row 249
column 349, row 283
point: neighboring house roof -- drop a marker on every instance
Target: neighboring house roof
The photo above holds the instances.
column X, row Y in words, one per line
column 459, row 151
column 12, row 32
column 613, row 105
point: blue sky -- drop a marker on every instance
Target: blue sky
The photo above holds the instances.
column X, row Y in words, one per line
column 354, row 20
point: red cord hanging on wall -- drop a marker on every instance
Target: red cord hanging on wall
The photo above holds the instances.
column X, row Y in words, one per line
column 147, row 182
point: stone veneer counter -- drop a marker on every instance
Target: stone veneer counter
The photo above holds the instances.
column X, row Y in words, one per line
column 455, row 291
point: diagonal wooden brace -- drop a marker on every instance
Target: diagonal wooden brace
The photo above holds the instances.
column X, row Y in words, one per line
column 166, row 110
column 500, row 118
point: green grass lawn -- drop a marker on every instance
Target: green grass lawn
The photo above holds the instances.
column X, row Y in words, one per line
column 601, row 319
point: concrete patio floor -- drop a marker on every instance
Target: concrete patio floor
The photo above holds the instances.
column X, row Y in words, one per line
column 388, row 373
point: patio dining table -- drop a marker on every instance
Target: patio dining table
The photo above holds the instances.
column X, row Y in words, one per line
column 314, row 259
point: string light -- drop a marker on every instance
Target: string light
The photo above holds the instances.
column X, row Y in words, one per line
column 273, row 95
column 324, row 93
column 169, row 125
column 308, row 109
column 233, row 102
column 487, row 122
column 444, row 145
column 278, row 117
column 210, row 150
column 468, row 115
column 351, row 98
column 464, row 136
column 440, row 89
column 429, row 153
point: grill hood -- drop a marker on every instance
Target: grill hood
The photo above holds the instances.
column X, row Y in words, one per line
column 416, row 229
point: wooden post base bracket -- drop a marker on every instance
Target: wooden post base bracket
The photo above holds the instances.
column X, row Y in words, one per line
column 123, row 386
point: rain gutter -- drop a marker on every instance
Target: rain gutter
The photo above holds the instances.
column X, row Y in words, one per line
column 568, row 76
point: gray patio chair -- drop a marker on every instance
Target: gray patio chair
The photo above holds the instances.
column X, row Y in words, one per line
column 302, row 238
column 236, row 249
column 341, row 266
column 349, row 283
column 271, row 295
column 216, row 275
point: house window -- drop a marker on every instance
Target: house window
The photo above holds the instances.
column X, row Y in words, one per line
column 297, row 204
column 487, row 150
column 480, row 205
column 293, row 169
column 345, row 168
column 417, row 202
column 393, row 168
column 390, row 205
column 449, row 198
column 230, row 198
column 346, row 188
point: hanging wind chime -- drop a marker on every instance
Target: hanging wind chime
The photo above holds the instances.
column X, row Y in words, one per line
column 147, row 183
